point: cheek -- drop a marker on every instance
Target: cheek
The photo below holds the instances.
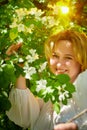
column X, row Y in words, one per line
column 52, row 61
column 68, row 63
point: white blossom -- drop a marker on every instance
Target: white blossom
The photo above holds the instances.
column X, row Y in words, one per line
column 42, row 66
column 55, row 9
column 42, row 1
column 21, row 60
column 63, row 86
column 20, row 40
column 29, row 59
column 49, row 21
column 36, row 12
column 2, row 65
column 41, row 84
column 32, row 11
column 30, row 29
column 4, row 31
column 21, row 27
column 48, row 90
column 59, row 88
column 21, row 13
column 63, row 95
column 29, row 71
column 32, row 57
column 66, row 93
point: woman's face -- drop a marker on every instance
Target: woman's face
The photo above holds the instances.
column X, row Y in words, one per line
column 63, row 60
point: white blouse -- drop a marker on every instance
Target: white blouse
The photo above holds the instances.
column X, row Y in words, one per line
column 77, row 104
column 26, row 111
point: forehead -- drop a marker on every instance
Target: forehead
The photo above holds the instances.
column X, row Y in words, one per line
column 64, row 47
column 67, row 43
column 63, row 44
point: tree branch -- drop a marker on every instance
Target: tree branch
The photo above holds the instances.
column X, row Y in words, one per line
column 77, row 116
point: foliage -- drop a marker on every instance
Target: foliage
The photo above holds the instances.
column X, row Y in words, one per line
column 30, row 23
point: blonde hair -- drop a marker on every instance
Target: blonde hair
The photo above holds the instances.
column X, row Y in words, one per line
column 78, row 41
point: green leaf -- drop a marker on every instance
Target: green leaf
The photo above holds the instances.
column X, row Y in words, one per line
column 40, row 94
column 56, row 107
column 18, row 70
column 64, row 101
column 63, row 78
column 7, row 76
column 70, row 87
column 13, row 33
column 9, row 72
column 4, row 103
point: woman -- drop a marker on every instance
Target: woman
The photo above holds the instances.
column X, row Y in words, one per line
column 66, row 52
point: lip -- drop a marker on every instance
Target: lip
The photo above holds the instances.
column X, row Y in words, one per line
column 63, row 71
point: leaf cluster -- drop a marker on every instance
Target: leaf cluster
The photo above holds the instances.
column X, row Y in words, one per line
column 43, row 26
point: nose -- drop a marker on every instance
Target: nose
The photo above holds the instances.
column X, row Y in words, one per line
column 60, row 63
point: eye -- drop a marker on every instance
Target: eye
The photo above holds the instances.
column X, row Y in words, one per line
column 55, row 55
column 69, row 57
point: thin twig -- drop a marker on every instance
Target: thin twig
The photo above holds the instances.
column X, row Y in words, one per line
column 77, row 116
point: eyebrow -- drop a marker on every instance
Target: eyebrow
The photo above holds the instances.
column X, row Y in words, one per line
column 65, row 54
column 69, row 55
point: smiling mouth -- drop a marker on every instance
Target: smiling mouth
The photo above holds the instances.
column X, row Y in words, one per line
column 61, row 71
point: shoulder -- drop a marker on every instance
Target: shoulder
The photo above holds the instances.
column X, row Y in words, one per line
column 82, row 76
column 84, row 73
column 81, row 80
